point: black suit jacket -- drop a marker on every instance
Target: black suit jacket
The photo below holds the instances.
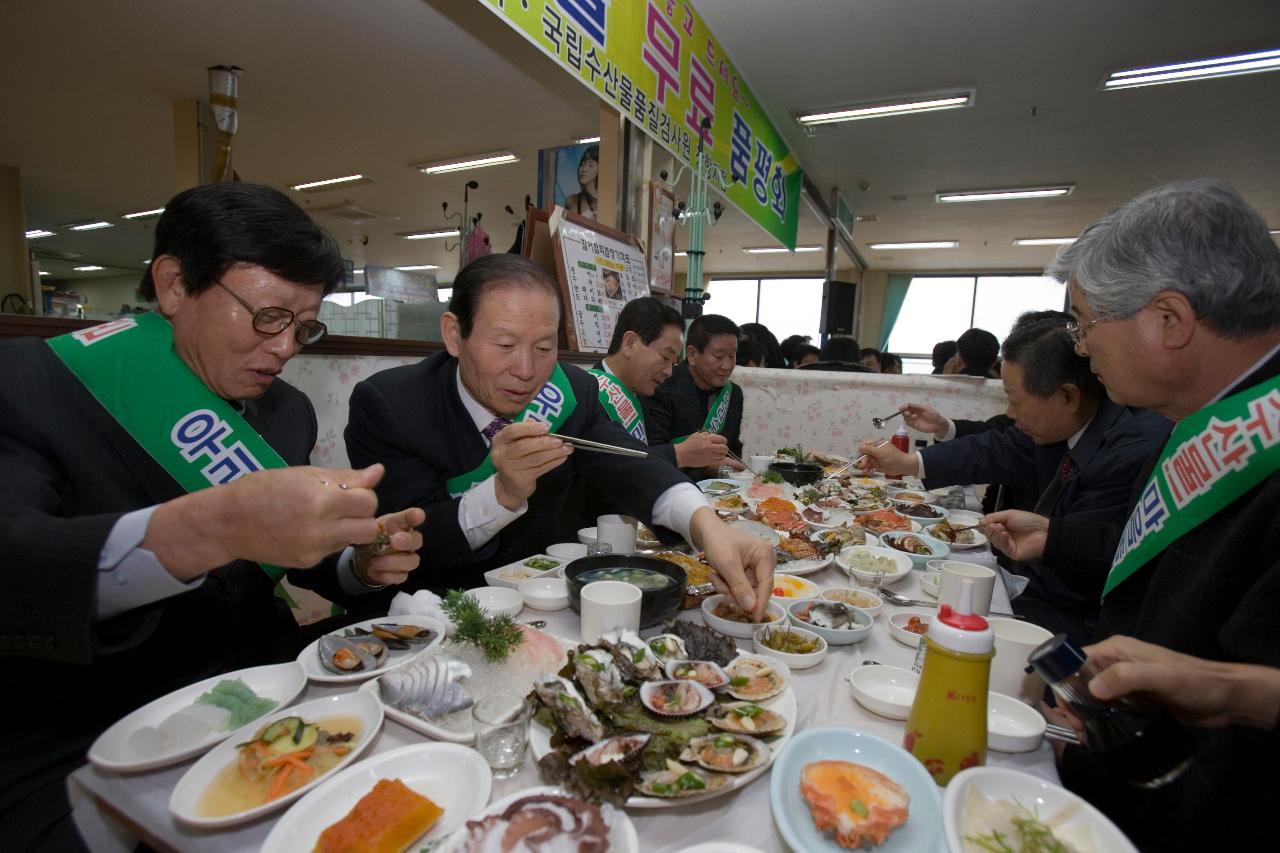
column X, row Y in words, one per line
column 69, row 473
column 412, row 420
column 676, row 409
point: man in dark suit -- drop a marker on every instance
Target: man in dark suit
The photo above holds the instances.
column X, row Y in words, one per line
column 699, row 396
column 1080, row 449
column 1176, row 296
column 471, row 436
column 119, row 585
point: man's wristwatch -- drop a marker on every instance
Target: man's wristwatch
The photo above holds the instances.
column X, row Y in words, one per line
column 359, row 574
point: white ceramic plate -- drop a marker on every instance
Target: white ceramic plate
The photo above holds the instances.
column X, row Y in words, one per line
column 834, row 518
column 804, row 567
column 901, row 560
column 622, row 832
column 798, row 588
column 513, row 574
column 184, row 802
column 309, row 658
column 720, row 847
column 964, row 517
column 111, row 751
column 418, row 724
column 979, row 540
column 758, row 529
column 453, row 777
column 884, row 690
column 1085, row 828
column 735, row 486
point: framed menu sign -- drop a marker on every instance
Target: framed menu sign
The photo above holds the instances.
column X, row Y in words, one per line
column 600, row 270
column 662, row 238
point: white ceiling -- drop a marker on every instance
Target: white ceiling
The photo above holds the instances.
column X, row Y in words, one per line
column 333, row 87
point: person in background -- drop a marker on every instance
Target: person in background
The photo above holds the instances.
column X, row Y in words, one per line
column 976, row 354
column 943, row 351
column 870, row 359
column 750, row 352
column 585, row 200
column 806, row 354
column 788, row 348
column 699, row 396
column 1176, row 300
column 133, row 566
column 890, row 363
column 840, row 353
column 772, row 356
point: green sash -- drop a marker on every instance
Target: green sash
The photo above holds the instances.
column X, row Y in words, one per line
column 552, row 405
column 1212, row 457
column 620, row 404
column 717, row 414
column 129, row 366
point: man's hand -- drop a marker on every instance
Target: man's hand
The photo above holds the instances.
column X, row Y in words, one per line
column 392, row 563
column 523, row 452
column 1020, row 534
column 924, row 418
column 887, row 458
column 701, row 450
column 743, row 562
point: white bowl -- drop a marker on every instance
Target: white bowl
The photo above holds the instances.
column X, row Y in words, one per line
column 1086, row 828
column 885, row 690
column 741, row 630
column 587, row 535
column 898, row 626
column 498, row 600
column 799, row 588
column 929, row 583
column 920, row 496
column 795, row 661
column 845, row 595
column 835, row 636
column 934, row 565
column 545, row 593
column 901, row 560
column 937, row 548
column 1012, row 726
column 568, row 550
column 964, row 517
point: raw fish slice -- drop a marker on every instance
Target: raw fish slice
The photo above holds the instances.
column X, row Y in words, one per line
column 429, row 689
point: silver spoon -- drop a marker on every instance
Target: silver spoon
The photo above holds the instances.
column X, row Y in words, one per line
column 537, row 624
column 903, row 601
column 879, row 423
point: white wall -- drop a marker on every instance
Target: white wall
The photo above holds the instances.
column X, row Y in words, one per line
column 105, row 295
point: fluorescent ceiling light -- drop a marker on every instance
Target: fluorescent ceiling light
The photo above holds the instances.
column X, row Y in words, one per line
column 90, row 268
column 357, row 272
column 431, row 235
column 90, row 226
column 587, row 140
column 894, row 107
column 146, row 261
column 779, row 250
column 934, row 244
column 686, row 254
column 418, row 267
column 42, row 272
column 439, row 167
column 329, row 182
column 1043, row 241
column 37, row 233
column 1199, row 69
column 144, row 214
column 1005, row 195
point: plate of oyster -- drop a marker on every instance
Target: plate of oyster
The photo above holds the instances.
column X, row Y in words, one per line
column 365, row 649
column 615, row 726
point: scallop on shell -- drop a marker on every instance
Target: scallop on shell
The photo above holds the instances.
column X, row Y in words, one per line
column 726, row 753
column 668, row 647
column 622, row 749
column 753, row 679
column 709, row 675
column 680, row 780
column 747, row 718
column 675, row 698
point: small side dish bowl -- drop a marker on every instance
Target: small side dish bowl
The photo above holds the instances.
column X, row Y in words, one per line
column 498, row 600
column 774, row 615
column 866, row 601
column 545, row 593
column 898, row 626
column 855, row 631
column 795, row 660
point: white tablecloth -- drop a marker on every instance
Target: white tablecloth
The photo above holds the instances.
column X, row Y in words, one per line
column 743, row 816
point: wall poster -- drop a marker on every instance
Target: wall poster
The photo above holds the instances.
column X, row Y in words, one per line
column 600, row 270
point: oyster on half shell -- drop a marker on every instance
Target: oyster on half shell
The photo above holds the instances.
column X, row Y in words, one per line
column 572, row 713
column 598, row 673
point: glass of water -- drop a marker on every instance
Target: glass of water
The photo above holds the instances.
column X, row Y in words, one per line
column 502, row 732
column 597, row 549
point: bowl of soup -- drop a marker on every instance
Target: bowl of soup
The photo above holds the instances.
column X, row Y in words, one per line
column 661, row 583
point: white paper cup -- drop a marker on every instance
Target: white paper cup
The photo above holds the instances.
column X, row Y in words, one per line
column 567, row 551
column 1014, row 641
column 618, row 532
column 952, row 580
column 760, row 464
column 609, row 606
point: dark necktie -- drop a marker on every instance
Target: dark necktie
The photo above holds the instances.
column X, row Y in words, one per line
column 1050, row 496
column 495, row 426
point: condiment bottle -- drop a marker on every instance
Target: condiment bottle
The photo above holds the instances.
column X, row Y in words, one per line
column 1143, row 749
column 947, row 726
column 901, row 439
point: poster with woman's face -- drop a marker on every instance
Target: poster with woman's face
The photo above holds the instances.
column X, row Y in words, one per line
column 577, row 179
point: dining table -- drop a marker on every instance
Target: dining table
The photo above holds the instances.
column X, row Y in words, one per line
column 114, row 810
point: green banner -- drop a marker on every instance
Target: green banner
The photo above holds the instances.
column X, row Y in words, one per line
column 1211, row 459
column 657, row 62
column 620, row 404
column 717, row 414
column 197, row 437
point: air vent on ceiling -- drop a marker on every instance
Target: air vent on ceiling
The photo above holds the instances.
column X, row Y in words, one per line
column 353, row 213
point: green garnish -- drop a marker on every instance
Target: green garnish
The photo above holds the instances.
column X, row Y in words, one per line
column 739, row 681
column 496, row 636
column 658, row 646
column 663, row 788
column 1033, row 836
column 725, row 742
column 860, row 807
column 691, row 782
column 808, row 496
column 541, row 563
column 566, row 699
column 638, row 655
column 748, row 710
column 771, row 476
column 593, row 663
column 796, row 453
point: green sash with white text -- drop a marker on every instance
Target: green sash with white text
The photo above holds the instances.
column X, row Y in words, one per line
column 717, row 414
column 130, row 367
column 1211, row 458
column 620, row 404
column 552, row 405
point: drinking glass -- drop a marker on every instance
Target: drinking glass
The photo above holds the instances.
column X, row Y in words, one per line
column 598, row 548
column 502, row 732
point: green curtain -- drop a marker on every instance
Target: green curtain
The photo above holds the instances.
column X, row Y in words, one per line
column 894, row 297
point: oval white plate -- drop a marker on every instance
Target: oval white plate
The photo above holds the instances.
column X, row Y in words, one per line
column 884, row 690
column 184, row 802
column 111, row 751
column 310, row 659
column 804, row 567
column 758, row 529
column 622, row 832
column 835, row 518
column 735, row 486
column 418, row 724
column 979, row 540
column 453, row 777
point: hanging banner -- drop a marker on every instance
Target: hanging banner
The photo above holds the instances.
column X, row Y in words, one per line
column 656, row 62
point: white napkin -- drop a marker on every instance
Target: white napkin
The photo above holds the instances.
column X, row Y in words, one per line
column 424, row 607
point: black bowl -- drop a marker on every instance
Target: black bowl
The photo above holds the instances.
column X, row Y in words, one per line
column 798, row 473
column 656, row 605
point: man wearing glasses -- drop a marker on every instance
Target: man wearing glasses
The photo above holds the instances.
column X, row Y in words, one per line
column 147, row 506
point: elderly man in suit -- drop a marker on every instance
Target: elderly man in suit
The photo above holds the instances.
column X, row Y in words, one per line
column 470, row 434
column 1081, row 450
column 147, row 509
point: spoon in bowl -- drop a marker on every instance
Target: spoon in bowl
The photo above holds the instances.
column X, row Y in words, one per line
column 879, row 423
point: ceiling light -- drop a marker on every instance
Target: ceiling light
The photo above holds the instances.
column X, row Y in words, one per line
column 1043, row 241
column 894, row 107
column 934, row 244
column 1200, row 69
column 327, row 183
column 587, row 140
column 42, row 272
column 357, row 272
column 430, row 235
column 37, row 233
column 90, row 226
column 686, row 254
column 90, row 268
column 144, row 214
column 778, row 250
column 145, row 261
column 439, row 167
column 1005, row 195
column 418, row 267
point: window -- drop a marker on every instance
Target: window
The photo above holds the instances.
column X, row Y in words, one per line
column 444, row 294
column 737, row 299
column 788, row 306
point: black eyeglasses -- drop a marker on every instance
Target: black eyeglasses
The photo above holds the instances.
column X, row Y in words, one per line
column 273, row 321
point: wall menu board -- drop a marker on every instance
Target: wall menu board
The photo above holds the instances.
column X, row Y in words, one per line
column 600, row 270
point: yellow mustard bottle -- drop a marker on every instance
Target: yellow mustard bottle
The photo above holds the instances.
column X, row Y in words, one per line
column 947, row 726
